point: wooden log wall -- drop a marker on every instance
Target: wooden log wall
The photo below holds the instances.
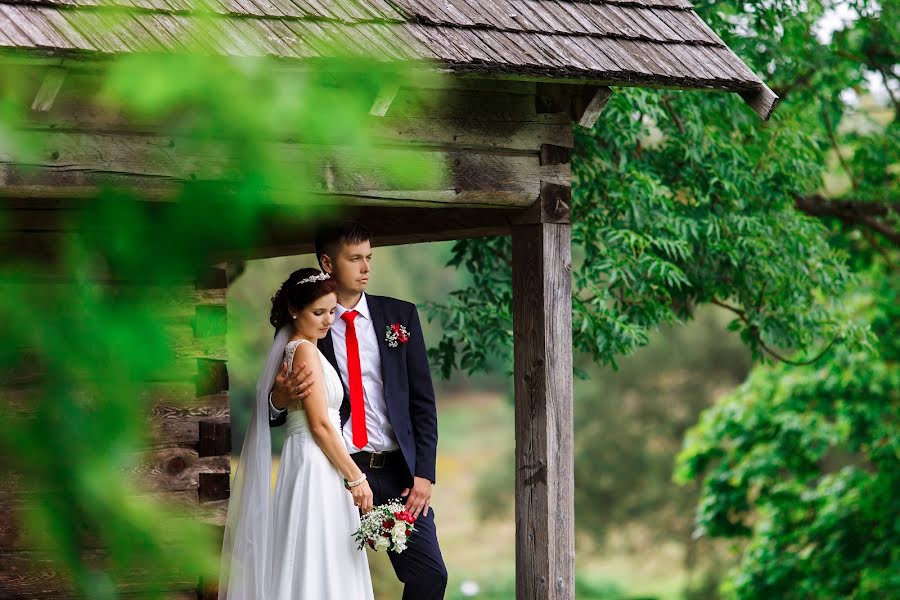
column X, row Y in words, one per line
column 497, row 143
column 186, row 463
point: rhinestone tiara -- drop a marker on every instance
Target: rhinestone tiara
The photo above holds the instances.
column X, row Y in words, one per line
column 311, row 278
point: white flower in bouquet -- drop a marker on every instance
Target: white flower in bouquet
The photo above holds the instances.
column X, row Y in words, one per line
column 382, row 543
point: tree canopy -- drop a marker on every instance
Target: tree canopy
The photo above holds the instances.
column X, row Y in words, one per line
column 793, row 226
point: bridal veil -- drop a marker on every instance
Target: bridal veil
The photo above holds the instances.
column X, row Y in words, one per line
column 247, row 544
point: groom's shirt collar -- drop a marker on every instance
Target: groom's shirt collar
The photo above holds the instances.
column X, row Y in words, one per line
column 362, row 307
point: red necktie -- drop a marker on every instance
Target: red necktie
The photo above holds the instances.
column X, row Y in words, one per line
column 357, row 405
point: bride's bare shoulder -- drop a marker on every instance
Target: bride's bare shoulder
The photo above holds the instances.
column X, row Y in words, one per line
column 306, row 351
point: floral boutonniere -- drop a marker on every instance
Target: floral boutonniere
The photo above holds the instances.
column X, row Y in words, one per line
column 396, row 334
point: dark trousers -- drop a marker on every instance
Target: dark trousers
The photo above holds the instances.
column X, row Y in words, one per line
column 420, row 567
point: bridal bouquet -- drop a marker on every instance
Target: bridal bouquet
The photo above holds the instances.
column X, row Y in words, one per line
column 385, row 527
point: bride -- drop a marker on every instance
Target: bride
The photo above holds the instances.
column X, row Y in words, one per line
column 297, row 543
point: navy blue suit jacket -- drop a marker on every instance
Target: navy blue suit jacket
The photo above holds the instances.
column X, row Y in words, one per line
column 408, row 391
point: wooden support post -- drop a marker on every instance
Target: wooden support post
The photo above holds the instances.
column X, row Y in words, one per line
column 542, row 327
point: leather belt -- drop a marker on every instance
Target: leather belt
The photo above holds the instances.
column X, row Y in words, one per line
column 375, row 460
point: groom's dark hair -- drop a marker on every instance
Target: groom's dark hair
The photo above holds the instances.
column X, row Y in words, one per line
column 330, row 238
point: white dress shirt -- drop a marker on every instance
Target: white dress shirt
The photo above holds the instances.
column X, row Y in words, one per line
column 378, row 426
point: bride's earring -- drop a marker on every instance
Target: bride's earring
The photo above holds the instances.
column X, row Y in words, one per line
column 293, row 316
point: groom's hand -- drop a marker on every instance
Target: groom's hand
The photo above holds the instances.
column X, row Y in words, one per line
column 291, row 388
column 419, row 497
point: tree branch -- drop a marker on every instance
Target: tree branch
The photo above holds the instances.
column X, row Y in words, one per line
column 754, row 331
column 671, row 111
column 796, row 363
column 733, row 309
column 853, row 212
column 874, row 243
column 887, row 86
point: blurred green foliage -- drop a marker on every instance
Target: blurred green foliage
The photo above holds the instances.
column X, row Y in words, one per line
column 85, row 351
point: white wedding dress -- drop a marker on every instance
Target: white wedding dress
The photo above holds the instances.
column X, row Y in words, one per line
column 314, row 554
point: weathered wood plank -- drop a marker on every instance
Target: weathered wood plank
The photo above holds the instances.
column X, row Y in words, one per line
column 184, row 345
column 30, row 574
column 542, row 325
column 159, row 471
column 444, row 106
column 176, row 469
column 13, row 536
column 389, row 227
column 168, row 297
column 173, row 409
column 186, row 464
column 73, row 164
column 477, row 134
column 179, row 365
column 416, row 130
column 179, row 425
column 286, row 234
column 32, row 374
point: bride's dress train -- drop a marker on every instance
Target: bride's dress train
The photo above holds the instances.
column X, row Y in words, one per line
column 314, row 555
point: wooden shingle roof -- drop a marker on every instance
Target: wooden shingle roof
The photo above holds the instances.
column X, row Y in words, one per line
column 619, row 42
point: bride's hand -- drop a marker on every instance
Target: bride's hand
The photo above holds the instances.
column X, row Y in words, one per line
column 362, row 496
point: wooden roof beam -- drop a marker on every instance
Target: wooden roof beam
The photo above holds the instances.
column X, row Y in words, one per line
column 763, row 101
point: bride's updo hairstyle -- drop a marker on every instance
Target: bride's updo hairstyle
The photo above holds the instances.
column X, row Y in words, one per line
column 302, row 288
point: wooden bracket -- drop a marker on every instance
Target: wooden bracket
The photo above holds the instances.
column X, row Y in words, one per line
column 584, row 103
column 213, row 486
column 50, row 87
column 384, row 100
column 551, row 207
column 215, row 439
column 588, row 116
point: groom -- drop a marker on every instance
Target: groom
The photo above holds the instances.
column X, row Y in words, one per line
column 388, row 417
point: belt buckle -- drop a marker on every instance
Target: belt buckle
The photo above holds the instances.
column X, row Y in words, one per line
column 376, row 460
